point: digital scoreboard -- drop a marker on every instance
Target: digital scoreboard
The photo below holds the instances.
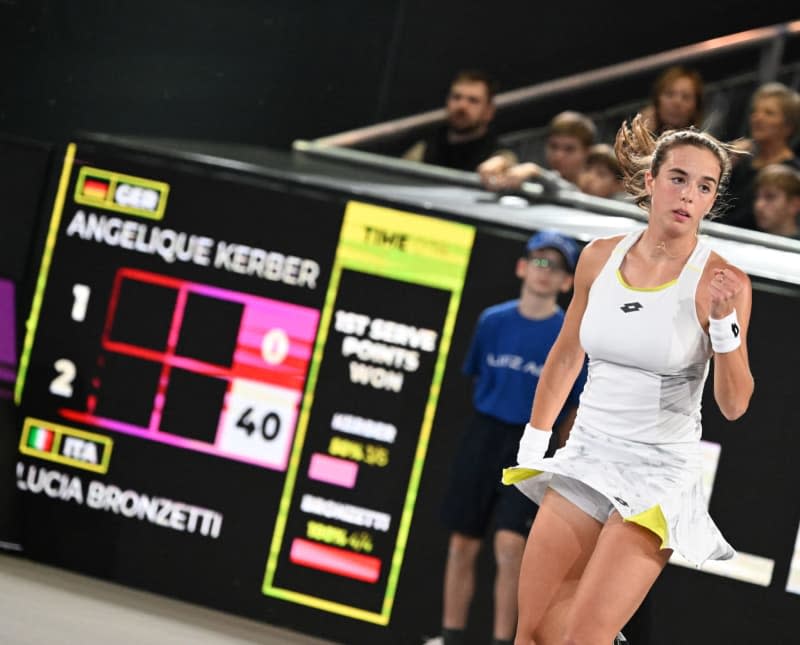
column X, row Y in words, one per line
column 244, row 391
column 229, row 373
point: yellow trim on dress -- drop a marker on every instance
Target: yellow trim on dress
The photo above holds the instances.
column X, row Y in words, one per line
column 516, row 474
column 653, row 520
column 658, row 288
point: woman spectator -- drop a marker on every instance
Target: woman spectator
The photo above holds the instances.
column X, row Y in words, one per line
column 676, row 101
column 774, row 120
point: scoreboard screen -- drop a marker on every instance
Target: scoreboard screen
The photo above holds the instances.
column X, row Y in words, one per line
column 219, row 372
column 245, row 392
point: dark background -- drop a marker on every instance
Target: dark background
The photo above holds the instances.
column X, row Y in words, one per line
column 267, row 72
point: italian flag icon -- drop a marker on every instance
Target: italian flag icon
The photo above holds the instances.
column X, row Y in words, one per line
column 40, row 438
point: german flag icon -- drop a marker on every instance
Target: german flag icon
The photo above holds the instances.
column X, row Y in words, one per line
column 95, row 188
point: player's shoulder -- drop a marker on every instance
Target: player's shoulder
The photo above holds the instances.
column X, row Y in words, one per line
column 596, row 253
column 602, row 245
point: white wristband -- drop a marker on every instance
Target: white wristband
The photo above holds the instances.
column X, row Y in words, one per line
column 533, row 444
column 724, row 333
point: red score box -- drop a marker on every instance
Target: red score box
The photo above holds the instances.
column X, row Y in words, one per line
column 334, row 560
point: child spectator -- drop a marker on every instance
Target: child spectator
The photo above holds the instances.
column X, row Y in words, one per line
column 602, row 176
column 570, row 135
column 777, row 203
column 510, row 343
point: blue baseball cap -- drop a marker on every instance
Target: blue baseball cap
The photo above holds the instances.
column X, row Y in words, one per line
column 554, row 240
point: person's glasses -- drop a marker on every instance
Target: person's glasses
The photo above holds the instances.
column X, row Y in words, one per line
column 547, row 264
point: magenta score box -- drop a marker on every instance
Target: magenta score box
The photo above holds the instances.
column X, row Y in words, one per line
column 8, row 339
column 331, row 559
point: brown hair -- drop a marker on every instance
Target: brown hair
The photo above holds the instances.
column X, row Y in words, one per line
column 476, row 76
column 638, row 151
column 573, row 124
column 667, row 78
column 789, row 101
column 780, row 176
column 602, row 153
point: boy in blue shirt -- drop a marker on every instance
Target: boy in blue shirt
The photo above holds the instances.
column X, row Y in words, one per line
column 508, row 350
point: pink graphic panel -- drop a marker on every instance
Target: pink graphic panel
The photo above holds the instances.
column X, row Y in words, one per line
column 332, row 470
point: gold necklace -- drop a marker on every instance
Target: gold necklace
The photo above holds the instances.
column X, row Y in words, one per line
column 662, row 246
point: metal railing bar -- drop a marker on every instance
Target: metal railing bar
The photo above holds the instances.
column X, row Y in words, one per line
column 713, row 46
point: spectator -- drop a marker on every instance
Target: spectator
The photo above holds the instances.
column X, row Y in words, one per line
column 466, row 139
column 569, row 137
column 774, row 120
column 777, row 203
column 510, row 344
column 602, row 176
column 676, row 101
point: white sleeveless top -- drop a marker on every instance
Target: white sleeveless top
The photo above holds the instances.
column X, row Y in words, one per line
column 636, row 439
column 648, row 354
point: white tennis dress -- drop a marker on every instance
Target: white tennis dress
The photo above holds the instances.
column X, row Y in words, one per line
column 637, row 432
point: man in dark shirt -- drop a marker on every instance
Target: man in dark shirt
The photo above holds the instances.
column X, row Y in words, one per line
column 466, row 139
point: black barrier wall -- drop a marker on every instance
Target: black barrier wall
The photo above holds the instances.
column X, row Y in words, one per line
column 268, row 73
column 246, row 394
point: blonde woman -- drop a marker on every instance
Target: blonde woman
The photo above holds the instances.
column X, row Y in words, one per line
column 774, row 121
